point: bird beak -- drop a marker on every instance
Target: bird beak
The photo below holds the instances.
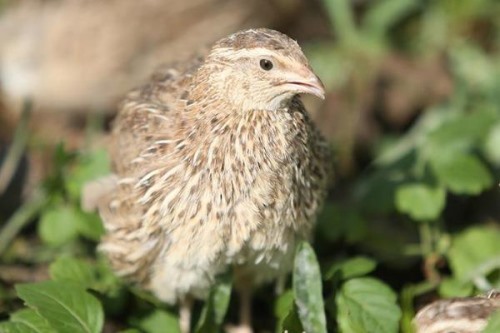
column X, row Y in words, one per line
column 306, row 82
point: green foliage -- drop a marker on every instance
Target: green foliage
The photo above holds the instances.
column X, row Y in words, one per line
column 216, row 307
column 64, row 305
column 475, row 253
column 354, row 267
column 72, row 270
column 493, row 324
column 367, row 305
column 26, row 321
column 413, row 217
column 421, row 202
column 157, row 321
column 62, row 224
column 307, row 290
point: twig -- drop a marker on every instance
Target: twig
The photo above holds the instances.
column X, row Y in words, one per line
column 15, row 153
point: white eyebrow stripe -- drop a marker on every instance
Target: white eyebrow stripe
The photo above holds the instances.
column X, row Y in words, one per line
column 232, row 54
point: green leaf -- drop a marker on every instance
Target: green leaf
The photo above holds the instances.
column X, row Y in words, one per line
column 216, row 306
column 89, row 225
column 462, row 173
column 475, row 252
column 291, row 322
column 420, row 201
column 367, row 305
column 67, row 307
column 450, row 287
column 73, row 270
column 459, row 133
column 383, row 14
column 64, row 223
column 26, row 321
column 350, row 268
column 91, row 166
column 58, row 225
column 10, row 327
column 159, row 321
column 339, row 222
column 491, row 145
column 479, row 77
column 308, row 289
column 342, row 17
column 283, row 304
column 286, row 314
column 493, row 323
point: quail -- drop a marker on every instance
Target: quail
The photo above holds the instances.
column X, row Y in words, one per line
column 217, row 166
column 457, row 315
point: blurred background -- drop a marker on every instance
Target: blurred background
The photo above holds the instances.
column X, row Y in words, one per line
column 412, row 113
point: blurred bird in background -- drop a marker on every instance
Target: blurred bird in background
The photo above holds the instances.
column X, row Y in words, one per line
column 457, row 315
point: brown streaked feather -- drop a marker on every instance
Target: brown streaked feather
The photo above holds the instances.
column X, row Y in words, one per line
column 457, row 315
column 206, row 178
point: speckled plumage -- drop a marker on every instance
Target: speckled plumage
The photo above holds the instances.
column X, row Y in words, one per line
column 457, row 315
column 217, row 164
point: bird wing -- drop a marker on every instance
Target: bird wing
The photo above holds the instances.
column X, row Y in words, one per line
column 148, row 113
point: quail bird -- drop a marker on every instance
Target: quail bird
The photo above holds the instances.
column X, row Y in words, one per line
column 217, row 166
column 457, row 315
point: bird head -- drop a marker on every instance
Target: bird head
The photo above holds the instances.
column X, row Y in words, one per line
column 261, row 69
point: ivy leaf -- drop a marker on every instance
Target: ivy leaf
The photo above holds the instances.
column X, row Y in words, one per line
column 420, row 201
column 308, row 290
column 67, row 307
column 367, row 305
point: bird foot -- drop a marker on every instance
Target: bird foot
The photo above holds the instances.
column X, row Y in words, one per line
column 238, row 329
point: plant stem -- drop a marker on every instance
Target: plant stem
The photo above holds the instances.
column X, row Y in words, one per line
column 21, row 217
column 16, row 149
column 426, row 239
column 431, row 257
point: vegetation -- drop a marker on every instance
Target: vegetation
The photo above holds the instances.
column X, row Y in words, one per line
column 413, row 215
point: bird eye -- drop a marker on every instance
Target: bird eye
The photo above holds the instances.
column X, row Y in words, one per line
column 266, row 65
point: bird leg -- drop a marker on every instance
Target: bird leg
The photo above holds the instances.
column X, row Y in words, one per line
column 245, row 325
column 244, row 290
column 185, row 308
column 246, row 308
